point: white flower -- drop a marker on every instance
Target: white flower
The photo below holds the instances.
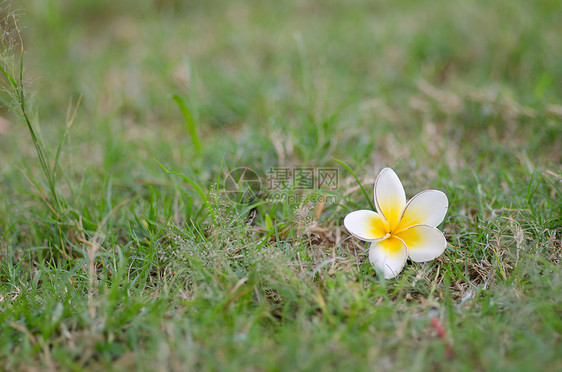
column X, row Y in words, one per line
column 398, row 230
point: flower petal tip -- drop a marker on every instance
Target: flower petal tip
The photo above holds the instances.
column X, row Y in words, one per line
column 389, row 256
column 365, row 225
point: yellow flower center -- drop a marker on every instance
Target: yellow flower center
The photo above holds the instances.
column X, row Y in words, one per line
column 394, row 237
column 392, row 245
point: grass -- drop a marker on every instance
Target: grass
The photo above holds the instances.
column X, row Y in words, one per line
column 122, row 252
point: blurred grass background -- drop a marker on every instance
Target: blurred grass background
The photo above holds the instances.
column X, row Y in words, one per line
column 317, row 74
column 461, row 96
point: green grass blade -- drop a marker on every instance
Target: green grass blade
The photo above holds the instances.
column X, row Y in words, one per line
column 189, row 122
column 8, row 76
column 358, row 182
column 197, row 188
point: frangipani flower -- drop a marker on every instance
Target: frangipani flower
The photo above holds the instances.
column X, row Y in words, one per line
column 398, row 230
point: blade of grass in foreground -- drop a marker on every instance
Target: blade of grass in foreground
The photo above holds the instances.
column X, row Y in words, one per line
column 17, row 91
column 189, row 122
column 195, row 186
column 358, row 182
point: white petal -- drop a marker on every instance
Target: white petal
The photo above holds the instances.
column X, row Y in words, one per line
column 390, row 198
column 429, row 207
column 366, row 225
column 389, row 256
column 424, row 242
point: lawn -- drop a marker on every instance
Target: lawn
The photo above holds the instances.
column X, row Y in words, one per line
column 126, row 246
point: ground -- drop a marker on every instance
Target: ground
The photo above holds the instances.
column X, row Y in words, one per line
column 121, row 249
